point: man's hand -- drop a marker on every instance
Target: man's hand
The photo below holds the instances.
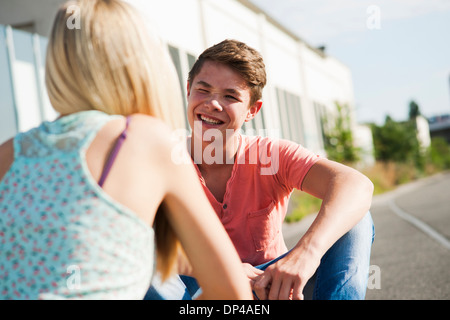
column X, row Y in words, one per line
column 252, row 273
column 286, row 278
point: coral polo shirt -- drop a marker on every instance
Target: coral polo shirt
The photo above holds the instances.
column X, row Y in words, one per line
column 254, row 206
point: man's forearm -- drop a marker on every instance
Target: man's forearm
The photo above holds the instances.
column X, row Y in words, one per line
column 346, row 201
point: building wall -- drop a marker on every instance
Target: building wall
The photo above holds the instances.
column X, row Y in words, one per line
column 423, row 132
column 440, row 126
column 303, row 83
column 363, row 140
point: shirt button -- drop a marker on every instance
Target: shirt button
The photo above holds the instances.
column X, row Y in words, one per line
column 225, row 206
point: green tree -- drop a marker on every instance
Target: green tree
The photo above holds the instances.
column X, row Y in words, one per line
column 339, row 136
column 414, row 110
column 439, row 153
column 396, row 141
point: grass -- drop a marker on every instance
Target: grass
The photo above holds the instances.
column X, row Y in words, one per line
column 301, row 204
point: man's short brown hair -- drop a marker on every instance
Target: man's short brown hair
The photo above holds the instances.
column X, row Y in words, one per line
column 238, row 56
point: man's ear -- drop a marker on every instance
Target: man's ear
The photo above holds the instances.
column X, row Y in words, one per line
column 188, row 89
column 253, row 110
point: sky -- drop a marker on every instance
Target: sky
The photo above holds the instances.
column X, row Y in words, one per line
column 397, row 50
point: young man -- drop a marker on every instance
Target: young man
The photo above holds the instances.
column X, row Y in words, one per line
column 249, row 180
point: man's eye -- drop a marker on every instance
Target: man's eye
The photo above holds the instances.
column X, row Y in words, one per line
column 231, row 97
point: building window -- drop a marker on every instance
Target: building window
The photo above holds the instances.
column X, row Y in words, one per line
column 8, row 120
column 291, row 119
column 27, row 27
column 26, row 80
column 175, row 55
column 320, row 115
column 178, row 62
column 191, row 60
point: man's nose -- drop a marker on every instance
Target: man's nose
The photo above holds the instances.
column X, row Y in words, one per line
column 213, row 103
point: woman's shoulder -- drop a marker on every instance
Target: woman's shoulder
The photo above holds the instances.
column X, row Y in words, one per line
column 152, row 129
column 154, row 133
column 148, row 123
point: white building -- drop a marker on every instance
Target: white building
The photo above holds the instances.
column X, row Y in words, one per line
column 303, row 82
column 423, row 132
column 363, row 140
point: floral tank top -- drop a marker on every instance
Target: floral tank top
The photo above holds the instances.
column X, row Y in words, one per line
column 61, row 235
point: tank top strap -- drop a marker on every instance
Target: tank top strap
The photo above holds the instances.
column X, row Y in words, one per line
column 112, row 156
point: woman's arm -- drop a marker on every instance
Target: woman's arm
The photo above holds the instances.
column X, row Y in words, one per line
column 214, row 260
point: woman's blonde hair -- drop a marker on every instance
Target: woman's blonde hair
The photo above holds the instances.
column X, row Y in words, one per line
column 110, row 62
column 101, row 56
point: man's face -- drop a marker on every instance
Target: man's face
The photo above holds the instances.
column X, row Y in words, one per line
column 219, row 97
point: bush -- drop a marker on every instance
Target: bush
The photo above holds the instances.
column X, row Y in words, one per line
column 439, row 154
column 338, row 136
column 387, row 176
column 396, row 141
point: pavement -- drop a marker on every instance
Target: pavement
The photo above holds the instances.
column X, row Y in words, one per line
column 411, row 253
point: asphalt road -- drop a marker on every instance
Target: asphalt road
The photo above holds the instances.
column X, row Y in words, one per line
column 411, row 252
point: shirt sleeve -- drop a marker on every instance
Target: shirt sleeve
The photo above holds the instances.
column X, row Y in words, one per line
column 294, row 163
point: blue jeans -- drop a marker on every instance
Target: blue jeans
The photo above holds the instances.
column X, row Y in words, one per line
column 342, row 274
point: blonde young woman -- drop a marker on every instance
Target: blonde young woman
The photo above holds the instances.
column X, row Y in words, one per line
column 79, row 195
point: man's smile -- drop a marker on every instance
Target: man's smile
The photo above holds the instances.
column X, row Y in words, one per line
column 209, row 120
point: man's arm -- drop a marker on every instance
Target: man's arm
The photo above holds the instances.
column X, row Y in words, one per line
column 347, row 196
